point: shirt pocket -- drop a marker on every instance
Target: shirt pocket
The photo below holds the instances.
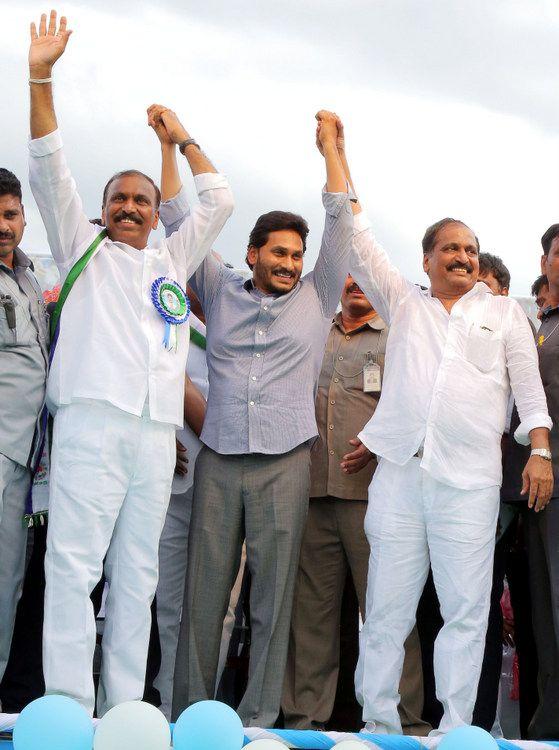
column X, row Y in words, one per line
column 7, row 334
column 482, row 349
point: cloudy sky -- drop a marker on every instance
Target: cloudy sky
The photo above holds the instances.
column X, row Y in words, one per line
column 451, row 108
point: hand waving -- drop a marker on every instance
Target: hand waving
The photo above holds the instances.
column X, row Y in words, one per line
column 48, row 44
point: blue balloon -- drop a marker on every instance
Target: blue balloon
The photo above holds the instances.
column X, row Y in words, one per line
column 208, row 725
column 54, row 722
column 468, row 738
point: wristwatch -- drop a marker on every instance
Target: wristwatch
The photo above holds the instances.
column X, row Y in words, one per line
column 543, row 452
column 188, row 142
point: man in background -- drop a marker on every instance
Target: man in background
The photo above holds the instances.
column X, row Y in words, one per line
column 494, row 273
column 543, row 528
column 540, row 292
column 23, row 369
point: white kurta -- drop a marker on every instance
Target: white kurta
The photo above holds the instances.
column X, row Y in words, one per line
column 118, row 395
column 447, row 382
column 110, row 343
column 448, row 376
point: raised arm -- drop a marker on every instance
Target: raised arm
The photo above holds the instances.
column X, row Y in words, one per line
column 47, row 45
column 340, row 143
column 382, row 283
column 193, row 240
column 174, row 204
column 68, row 229
column 332, row 264
column 171, row 182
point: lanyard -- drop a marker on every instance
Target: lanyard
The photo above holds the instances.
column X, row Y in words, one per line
column 368, row 357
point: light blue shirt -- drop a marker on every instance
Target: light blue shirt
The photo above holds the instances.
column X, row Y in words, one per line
column 264, row 352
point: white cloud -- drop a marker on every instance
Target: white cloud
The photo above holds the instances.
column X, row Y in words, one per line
column 449, row 109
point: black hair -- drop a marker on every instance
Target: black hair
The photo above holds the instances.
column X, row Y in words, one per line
column 548, row 236
column 9, row 184
column 489, row 263
column 540, row 282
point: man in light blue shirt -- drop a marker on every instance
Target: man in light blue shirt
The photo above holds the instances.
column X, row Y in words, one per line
column 266, row 339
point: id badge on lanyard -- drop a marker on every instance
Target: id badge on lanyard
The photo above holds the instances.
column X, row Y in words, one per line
column 371, row 374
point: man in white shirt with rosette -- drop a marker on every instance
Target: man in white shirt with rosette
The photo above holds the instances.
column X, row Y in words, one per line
column 116, row 387
column 453, row 353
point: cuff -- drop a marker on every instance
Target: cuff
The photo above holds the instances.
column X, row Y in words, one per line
column 365, row 439
column 46, row 145
column 522, row 432
column 210, row 181
column 334, row 202
column 176, row 206
column 361, row 223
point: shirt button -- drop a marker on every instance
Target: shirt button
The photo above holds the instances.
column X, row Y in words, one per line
column 252, row 403
column 347, row 338
column 340, row 357
column 265, row 307
column 258, row 355
column 253, row 377
column 332, row 402
column 331, row 453
column 330, row 426
column 260, row 333
column 336, row 380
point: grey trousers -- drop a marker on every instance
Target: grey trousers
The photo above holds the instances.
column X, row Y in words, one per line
column 543, row 556
column 172, row 573
column 265, row 499
column 14, row 485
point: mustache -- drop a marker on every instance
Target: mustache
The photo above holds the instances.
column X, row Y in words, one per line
column 456, row 265
column 7, row 236
column 354, row 288
column 120, row 215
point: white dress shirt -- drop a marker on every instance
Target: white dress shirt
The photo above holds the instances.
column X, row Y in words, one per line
column 110, row 345
column 447, row 376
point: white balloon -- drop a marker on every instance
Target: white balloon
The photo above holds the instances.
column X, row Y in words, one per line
column 265, row 744
column 134, row 725
column 351, row 745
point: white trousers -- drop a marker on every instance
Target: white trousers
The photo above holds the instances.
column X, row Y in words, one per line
column 109, row 490
column 413, row 520
column 14, row 485
column 173, row 554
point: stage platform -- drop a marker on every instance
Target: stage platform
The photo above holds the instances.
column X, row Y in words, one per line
column 309, row 740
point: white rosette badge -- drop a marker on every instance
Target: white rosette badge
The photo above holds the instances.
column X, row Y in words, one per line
column 171, row 302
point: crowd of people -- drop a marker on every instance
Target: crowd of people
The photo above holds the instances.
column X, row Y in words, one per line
column 184, row 444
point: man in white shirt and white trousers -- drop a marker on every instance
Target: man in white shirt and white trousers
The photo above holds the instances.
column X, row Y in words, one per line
column 117, row 393
column 453, row 353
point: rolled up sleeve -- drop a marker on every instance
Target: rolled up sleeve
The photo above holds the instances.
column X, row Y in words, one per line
column 524, row 374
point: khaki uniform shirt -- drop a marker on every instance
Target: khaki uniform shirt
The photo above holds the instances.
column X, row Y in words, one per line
column 343, row 408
